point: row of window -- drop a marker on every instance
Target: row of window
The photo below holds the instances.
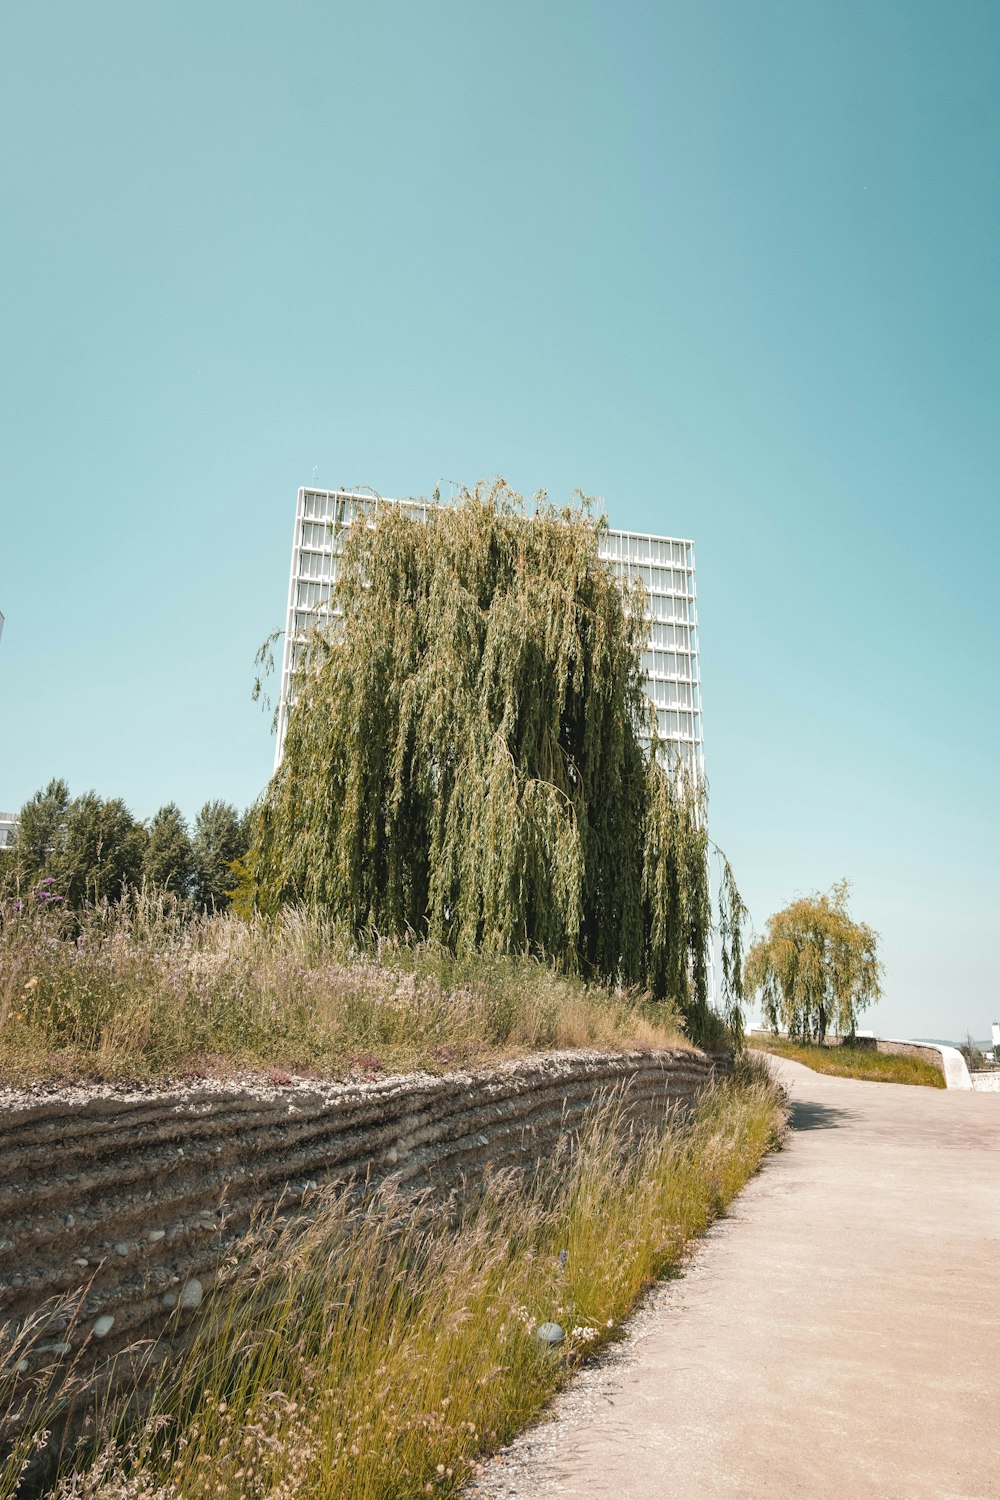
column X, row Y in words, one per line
column 313, row 591
column 308, row 595
column 317, row 507
column 320, row 566
column 673, row 722
column 670, row 678
column 657, row 580
column 305, row 620
column 669, row 607
column 317, row 534
column 677, row 719
column 674, row 725
column 666, row 637
column 644, row 549
column 673, row 694
column 321, row 505
column 670, row 664
column 315, row 565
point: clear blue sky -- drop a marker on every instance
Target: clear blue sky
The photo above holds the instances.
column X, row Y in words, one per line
column 731, row 266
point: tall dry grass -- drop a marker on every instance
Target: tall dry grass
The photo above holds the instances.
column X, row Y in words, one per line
column 382, row 1351
column 145, row 990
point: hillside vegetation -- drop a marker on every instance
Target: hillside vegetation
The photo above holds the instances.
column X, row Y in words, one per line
column 853, row 1062
column 144, row 989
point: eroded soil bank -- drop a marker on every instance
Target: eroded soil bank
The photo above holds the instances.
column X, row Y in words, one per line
column 117, row 1206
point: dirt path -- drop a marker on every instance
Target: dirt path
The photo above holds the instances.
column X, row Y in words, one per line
column 837, row 1336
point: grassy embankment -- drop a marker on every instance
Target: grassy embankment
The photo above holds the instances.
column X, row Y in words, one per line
column 384, row 1351
column 142, row 992
column 853, row 1062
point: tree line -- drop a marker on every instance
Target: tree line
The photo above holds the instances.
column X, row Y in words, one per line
column 93, row 849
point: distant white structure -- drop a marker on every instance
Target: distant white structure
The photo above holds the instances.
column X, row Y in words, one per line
column 8, row 829
column 664, row 564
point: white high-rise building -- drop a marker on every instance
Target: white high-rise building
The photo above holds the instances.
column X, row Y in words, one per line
column 664, row 564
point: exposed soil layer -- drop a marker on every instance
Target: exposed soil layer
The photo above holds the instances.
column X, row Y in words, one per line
column 117, row 1205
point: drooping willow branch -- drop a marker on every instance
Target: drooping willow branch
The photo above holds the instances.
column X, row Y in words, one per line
column 466, row 759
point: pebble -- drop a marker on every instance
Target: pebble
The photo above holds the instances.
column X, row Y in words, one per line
column 192, row 1294
column 80, row 1261
column 104, row 1325
column 155, row 1236
column 549, row 1333
column 121, row 1248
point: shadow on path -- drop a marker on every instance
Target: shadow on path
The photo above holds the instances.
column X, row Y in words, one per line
column 807, row 1116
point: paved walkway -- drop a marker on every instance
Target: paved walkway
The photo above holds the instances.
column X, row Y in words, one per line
column 838, row 1335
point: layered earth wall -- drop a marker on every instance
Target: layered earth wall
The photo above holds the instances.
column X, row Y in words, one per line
column 118, row 1205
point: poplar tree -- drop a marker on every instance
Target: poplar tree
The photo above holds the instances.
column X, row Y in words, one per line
column 219, row 839
column 168, row 861
column 467, row 757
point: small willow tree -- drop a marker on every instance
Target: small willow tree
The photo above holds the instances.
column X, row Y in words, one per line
column 466, row 761
column 815, row 969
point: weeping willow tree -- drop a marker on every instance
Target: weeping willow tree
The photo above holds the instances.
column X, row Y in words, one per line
column 466, row 760
column 815, row 968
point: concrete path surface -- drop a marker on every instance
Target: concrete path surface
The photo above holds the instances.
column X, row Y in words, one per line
column 838, row 1335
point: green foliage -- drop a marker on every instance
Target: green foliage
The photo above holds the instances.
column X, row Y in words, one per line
column 41, row 828
column 220, row 838
column 815, row 969
column 466, row 757
column 168, row 862
column 87, row 850
column 90, row 849
column 733, row 917
column 147, row 988
column 854, row 1062
column 102, row 853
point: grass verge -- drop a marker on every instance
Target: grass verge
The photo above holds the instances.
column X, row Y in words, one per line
column 144, row 991
column 854, row 1062
column 383, row 1351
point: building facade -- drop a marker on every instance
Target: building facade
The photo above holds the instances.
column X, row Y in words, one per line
column 664, row 564
column 8, row 829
